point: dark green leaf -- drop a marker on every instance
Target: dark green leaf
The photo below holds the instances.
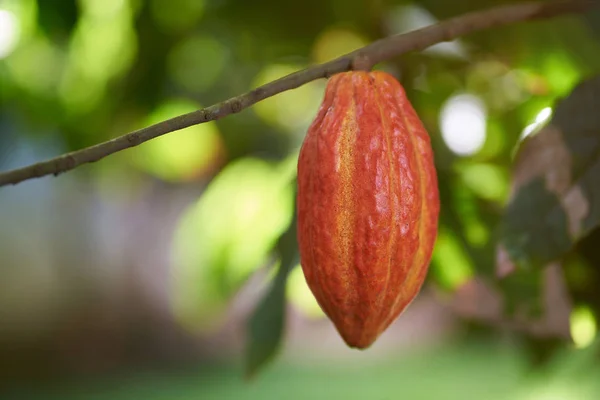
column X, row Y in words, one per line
column 556, row 198
column 535, row 227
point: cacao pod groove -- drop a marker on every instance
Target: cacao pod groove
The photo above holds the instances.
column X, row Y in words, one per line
column 368, row 204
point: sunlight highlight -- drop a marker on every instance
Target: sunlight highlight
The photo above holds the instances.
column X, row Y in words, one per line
column 9, row 33
column 540, row 120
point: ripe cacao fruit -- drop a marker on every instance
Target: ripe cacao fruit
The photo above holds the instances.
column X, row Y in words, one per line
column 368, row 204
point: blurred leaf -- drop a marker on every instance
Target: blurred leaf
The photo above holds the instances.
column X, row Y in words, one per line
column 583, row 274
column 300, row 295
column 197, row 62
column 292, row 110
column 522, row 293
column 265, row 327
column 488, row 181
column 180, row 155
column 534, row 229
column 22, row 66
column 174, row 16
column 103, row 46
column 451, row 265
column 463, row 215
column 555, row 198
column 336, row 42
column 227, row 234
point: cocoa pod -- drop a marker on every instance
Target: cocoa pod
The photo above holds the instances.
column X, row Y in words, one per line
column 368, row 204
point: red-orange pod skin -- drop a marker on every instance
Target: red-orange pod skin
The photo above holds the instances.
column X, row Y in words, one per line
column 368, row 204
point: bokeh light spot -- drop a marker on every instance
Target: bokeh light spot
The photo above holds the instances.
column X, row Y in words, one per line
column 487, row 181
column 196, row 63
column 23, row 66
column 560, row 72
column 9, row 32
column 583, row 326
column 336, row 42
column 463, row 124
column 180, row 155
column 292, row 110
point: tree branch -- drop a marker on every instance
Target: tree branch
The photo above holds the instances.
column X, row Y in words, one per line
column 376, row 52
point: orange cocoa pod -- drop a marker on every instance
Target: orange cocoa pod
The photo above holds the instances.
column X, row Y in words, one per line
column 368, row 204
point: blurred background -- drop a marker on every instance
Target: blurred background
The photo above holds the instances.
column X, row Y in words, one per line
column 134, row 277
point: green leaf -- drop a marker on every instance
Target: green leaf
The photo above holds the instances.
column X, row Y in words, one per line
column 266, row 325
column 229, row 233
column 555, row 199
column 535, row 227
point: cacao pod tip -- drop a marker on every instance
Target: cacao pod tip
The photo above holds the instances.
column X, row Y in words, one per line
column 361, row 341
column 359, row 346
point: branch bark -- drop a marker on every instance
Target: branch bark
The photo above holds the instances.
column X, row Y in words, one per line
column 376, row 52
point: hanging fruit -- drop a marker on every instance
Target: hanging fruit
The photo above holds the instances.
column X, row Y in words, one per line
column 368, row 204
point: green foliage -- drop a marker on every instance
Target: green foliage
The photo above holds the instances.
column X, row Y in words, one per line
column 82, row 72
column 266, row 326
column 227, row 234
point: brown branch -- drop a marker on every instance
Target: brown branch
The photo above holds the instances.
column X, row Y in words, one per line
column 372, row 54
